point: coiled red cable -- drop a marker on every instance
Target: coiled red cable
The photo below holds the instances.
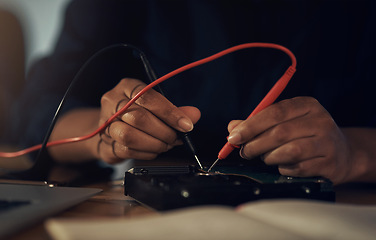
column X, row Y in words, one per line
column 268, row 99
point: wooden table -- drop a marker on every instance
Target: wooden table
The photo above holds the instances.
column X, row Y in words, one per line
column 112, row 203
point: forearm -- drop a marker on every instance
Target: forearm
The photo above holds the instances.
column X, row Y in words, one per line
column 362, row 143
column 75, row 123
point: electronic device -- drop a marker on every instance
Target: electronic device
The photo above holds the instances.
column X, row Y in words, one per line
column 171, row 187
column 22, row 205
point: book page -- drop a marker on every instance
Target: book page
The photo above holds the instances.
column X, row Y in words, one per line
column 267, row 219
column 219, row 223
column 316, row 219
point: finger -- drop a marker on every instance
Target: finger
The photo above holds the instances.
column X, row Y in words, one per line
column 135, row 115
column 143, row 120
column 279, row 135
column 270, row 117
column 138, row 140
column 308, row 168
column 125, row 152
column 105, row 152
column 114, row 153
column 158, row 105
column 106, row 138
column 295, row 151
column 233, row 124
column 110, row 103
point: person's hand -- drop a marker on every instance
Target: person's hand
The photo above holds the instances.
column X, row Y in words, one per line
column 299, row 136
column 147, row 128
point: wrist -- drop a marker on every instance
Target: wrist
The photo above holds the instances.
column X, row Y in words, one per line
column 78, row 122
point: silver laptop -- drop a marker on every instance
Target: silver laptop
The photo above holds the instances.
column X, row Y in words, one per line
column 22, row 205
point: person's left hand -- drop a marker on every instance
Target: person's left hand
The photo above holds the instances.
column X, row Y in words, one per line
column 299, row 136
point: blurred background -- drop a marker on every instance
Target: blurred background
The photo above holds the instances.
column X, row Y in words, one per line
column 40, row 21
column 28, row 31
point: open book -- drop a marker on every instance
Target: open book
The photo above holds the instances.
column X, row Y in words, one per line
column 268, row 219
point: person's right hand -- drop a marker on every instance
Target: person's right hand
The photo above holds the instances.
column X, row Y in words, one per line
column 146, row 129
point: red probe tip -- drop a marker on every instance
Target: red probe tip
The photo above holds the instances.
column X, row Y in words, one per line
column 226, row 150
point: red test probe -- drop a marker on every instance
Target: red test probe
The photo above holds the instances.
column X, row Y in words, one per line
column 272, row 95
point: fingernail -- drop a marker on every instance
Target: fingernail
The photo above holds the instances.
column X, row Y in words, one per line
column 234, row 138
column 185, row 124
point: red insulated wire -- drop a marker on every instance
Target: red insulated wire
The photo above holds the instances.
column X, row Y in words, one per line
column 269, row 98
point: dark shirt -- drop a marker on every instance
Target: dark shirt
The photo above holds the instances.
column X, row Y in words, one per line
column 334, row 43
